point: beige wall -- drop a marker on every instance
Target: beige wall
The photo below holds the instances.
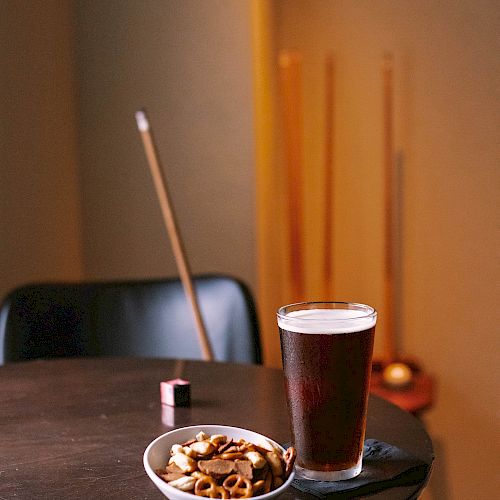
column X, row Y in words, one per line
column 39, row 198
column 447, row 121
column 189, row 63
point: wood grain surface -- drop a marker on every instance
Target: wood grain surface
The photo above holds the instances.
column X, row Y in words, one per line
column 78, row 428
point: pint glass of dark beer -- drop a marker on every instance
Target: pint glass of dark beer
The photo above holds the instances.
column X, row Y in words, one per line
column 327, row 350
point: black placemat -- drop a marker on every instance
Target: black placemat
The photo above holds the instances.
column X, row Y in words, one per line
column 384, row 466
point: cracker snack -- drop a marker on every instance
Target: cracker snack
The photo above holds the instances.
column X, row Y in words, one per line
column 220, row 467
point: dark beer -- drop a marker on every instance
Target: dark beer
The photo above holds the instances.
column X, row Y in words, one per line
column 327, row 375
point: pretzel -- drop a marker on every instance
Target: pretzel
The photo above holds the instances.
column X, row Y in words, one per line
column 238, row 486
column 289, row 458
column 207, row 487
column 263, row 485
column 228, row 444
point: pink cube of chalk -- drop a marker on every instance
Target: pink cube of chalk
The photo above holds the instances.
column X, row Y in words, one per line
column 176, row 392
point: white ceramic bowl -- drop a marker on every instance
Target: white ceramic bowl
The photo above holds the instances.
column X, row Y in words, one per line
column 158, row 451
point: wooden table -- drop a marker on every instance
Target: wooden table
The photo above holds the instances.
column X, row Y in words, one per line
column 77, row 428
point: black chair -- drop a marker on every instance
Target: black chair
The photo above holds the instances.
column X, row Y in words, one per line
column 149, row 318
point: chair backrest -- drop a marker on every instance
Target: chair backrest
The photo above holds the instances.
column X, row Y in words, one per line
column 149, row 318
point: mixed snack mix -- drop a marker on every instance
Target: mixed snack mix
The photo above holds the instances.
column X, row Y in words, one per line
column 221, row 467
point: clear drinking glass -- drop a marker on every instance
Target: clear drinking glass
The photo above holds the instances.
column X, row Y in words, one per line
column 327, row 351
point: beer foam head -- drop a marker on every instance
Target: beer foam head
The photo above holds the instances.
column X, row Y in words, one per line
column 327, row 321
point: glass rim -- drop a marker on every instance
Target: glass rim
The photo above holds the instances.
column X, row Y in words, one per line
column 370, row 311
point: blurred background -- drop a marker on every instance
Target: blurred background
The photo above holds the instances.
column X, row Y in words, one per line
column 77, row 201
